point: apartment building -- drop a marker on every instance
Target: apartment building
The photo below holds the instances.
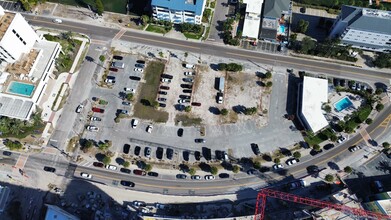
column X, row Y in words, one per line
column 364, row 28
column 275, row 20
column 178, row 11
column 252, row 19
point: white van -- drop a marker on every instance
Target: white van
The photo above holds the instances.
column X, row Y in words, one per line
column 189, row 66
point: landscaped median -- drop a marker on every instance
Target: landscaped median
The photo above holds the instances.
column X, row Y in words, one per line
column 146, row 105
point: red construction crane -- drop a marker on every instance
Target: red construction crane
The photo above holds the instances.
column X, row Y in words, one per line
column 263, row 193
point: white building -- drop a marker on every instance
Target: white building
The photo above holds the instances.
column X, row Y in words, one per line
column 178, row 11
column 364, row 28
column 16, row 36
column 27, row 61
column 314, row 92
column 252, row 19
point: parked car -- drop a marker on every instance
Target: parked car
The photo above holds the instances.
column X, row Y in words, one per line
column 252, row 172
column 127, row 183
column 162, row 93
column 147, row 152
column 138, row 70
column 134, row 123
column 328, row 146
column 140, row 61
column 186, row 155
column 167, row 76
column 113, row 69
column 297, row 184
column 98, row 164
column 354, row 148
column 184, row 96
column 313, row 169
column 92, row 128
column 159, row 153
column 93, row 118
column 164, row 80
column 137, row 150
column 163, row 105
column 117, row 57
column 219, row 98
column 189, row 73
column 188, row 91
column 209, row 177
column 126, row 103
column 197, row 155
column 196, row 104
column 180, row 132
column 199, row 140
column 86, row 175
column 7, row 153
column 161, row 99
column 110, row 77
column 169, row 153
column 195, row 177
column 79, row 108
column 189, row 80
column 139, row 204
column 341, row 139
column 181, row 176
column 292, row 161
column 111, row 167
column 112, row 81
column 126, row 148
column 122, row 111
column 49, row 169
column 278, row 166
column 315, row 152
column 224, row 175
column 149, row 128
column 183, row 101
column 57, row 20
column 98, row 110
column 255, row 149
column 139, row 65
column 136, row 78
column 187, row 86
column 125, row 170
column 139, row 172
column 127, row 89
column 154, row 174
column 165, row 87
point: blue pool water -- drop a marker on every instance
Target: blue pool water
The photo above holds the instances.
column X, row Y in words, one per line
column 343, row 104
column 19, row 88
column 282, row 29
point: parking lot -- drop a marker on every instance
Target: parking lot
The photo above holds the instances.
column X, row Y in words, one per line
column 12, row 6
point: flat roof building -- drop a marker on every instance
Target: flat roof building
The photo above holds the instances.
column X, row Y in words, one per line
column 380, row 202
column 252, row 19
column 364, row 28
column 314, row 92
column 55, row 213
column 178, row 11
column 274, row 19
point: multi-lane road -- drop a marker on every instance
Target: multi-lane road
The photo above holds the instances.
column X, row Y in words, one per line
column 172, row 186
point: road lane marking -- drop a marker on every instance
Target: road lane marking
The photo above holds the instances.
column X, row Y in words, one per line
column 162, row 42
column 65, row 25
column 306, row 65
column 99, row 42
column 119, row 34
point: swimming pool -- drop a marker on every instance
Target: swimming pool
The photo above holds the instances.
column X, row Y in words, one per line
column 19, row 88
column 282, row 28
column 343, row 104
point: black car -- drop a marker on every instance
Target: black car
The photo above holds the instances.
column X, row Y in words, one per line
column 162, row 105
column 264, row 169
column 111, row 77
column 314, row 152
column 219, row 154
column 159, row 153
column 116, row 57
column 255, row 149
column 342, row 82
column 199, row 140
column 167, row 76
column 186, row 86
column 161, row 99
column 207, row 153
column 224, row 175
column 328, row 146
column 184, row 96
column 187, row 91
column 186, row 155
column 312, row 169
column 147, row 152
column 181, row 176
column 127, row 183
column 197, row 155
column 140, row 61
column 7, row 153
column 162, row 93
column 49, row 169
column 126, row 148
column 165, row 87
column 154, row 174
column 169, row 153
column 135, row 78
column 137, row 150
column 98, row 164
column 336, row 82
column 180, row 132
column 139, row 65
column 124, row 170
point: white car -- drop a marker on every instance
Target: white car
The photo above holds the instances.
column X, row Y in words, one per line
column 292, row 161
column 278, row 166
column 79, row 108
column 166, row 80
column 129, row 90
column 160, row 206
column 139, row 204
column 58, row 21
column 149, row 128
column 86, row 175
column 134, row 123
column 209, row 177
column 111, row 167
column 138, row 70
column 92, row 128
column 183, row 101
column 93, row 118
column 341, row 139
column 189, row 73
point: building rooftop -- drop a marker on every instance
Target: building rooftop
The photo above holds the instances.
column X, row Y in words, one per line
column 15, row 107
column 274, row 8
column 268, row 33
column 24, row 64
column 56, row 213
column 181, row 5
column 252, row 19
column 372, row 20
column 315, row 93
column 5, row 22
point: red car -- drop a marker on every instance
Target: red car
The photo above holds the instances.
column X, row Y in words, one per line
column 196, row 104
column 113, row 69
column 139, row 172
column 98, row 164
column 98, row 110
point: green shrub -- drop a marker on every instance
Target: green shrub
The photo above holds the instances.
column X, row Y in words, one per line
column 236, row 169
column 106, row 160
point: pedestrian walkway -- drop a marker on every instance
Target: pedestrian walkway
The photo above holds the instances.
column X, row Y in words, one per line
column 21, row 161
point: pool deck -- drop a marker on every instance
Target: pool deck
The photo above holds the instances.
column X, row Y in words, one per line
column 335, row 97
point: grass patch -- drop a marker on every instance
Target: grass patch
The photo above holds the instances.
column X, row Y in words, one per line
column 156, row 29
column 57, row 97
column 149, row 92
column 213, row 4
column 317, row 139
column 206, row 35
column 187, row 120
column 192, row 35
